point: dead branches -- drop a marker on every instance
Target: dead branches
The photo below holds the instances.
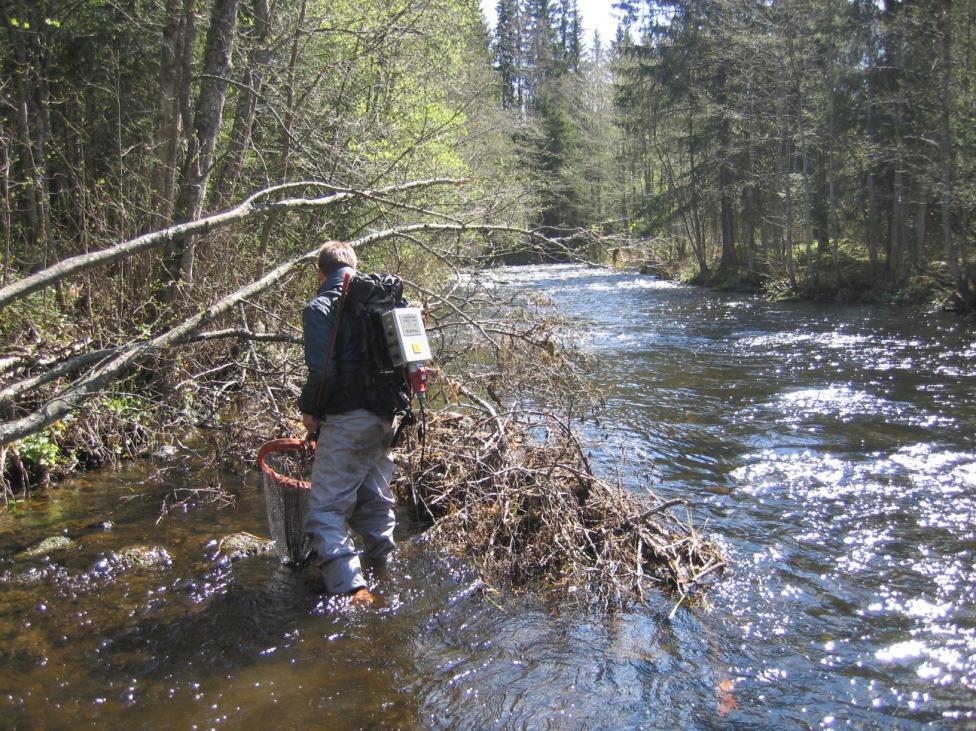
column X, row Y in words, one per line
column 534, row 517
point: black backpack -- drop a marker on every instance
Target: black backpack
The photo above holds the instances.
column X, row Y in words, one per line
column 384, row 387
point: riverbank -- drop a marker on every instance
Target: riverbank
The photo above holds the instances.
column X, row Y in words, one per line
column 851, row 282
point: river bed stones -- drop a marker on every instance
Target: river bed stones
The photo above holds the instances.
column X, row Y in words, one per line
column 165, row 453
column 243, row 545
column 33, row 567
column 47, row 546
column 141, row 557
column 32, row 575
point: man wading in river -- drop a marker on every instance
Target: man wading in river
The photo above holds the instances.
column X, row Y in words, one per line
column 353, row 464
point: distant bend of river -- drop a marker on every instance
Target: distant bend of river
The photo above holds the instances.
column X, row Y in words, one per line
column 831, row 450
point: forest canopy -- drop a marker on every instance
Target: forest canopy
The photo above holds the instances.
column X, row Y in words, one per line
column 820, row 148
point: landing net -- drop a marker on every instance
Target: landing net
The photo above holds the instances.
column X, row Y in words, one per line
column 286, row 471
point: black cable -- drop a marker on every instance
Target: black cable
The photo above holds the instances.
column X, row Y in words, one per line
column 423, row 435
column 413, row 485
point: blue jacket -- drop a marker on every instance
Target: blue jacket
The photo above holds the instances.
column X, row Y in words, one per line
column 341, row 390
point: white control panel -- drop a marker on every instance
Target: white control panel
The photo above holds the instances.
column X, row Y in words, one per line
column 406, row 336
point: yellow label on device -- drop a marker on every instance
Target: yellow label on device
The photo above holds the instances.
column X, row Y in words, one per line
column 417, row 348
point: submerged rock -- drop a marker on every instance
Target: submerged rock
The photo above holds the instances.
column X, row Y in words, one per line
column 241, row 545
column 144, row 557
column 48, row 545
column 32, row 576
column 29, row 577
column 28, row 646
column 166, row 452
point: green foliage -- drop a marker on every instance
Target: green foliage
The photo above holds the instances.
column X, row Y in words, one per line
column 40, row 452
column 125, row 407
column 565, row 137
column 38, row 314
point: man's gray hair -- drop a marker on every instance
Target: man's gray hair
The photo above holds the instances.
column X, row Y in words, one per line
column 335, row 254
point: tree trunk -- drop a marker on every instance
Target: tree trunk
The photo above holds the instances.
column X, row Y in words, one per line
column 764, row 241
column 33, row 124
column 921, row 224
column 256, row 204
column 622, row 183
column 696, row 215
column 6, row 218
column 750, row 206
column 812, row 273
column 174, row 86
column 832, row 222
column 206, row 124
column 945, row 148
column 873, row 211
column 284, row 160
column 788, row 202
column 727, row 264
column 749, row 227
column 896, row 234
column 250, row 89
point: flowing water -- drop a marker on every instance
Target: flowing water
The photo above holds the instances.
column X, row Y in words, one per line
column 832, row 451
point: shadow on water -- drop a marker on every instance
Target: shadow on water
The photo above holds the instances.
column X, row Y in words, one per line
column 832, row 451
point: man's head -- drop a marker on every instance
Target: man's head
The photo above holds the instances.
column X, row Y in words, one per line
column 336, row 254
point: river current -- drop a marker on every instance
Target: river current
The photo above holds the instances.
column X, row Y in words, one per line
column 830, row 450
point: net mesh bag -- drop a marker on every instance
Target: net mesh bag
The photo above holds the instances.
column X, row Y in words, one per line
column 286, row 470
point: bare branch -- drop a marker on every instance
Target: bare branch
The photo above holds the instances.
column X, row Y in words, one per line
column 248, row 208
column 72, row 365
column 244, row 334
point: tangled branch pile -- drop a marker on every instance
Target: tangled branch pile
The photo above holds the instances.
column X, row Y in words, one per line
column 514, row 494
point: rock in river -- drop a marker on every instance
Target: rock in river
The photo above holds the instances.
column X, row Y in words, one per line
column 241, row 545
column 48, row 545
column 144, row 557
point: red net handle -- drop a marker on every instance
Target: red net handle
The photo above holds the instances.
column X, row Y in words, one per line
column 284, row 445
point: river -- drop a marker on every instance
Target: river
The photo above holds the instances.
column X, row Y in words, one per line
column 830, row 450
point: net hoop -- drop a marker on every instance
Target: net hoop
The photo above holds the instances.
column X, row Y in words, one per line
column 284, row 445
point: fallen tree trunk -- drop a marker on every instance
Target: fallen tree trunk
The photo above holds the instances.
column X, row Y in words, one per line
column 73, row 365
column 247, row 209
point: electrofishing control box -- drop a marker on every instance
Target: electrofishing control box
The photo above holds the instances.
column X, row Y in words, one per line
column 406, row 336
